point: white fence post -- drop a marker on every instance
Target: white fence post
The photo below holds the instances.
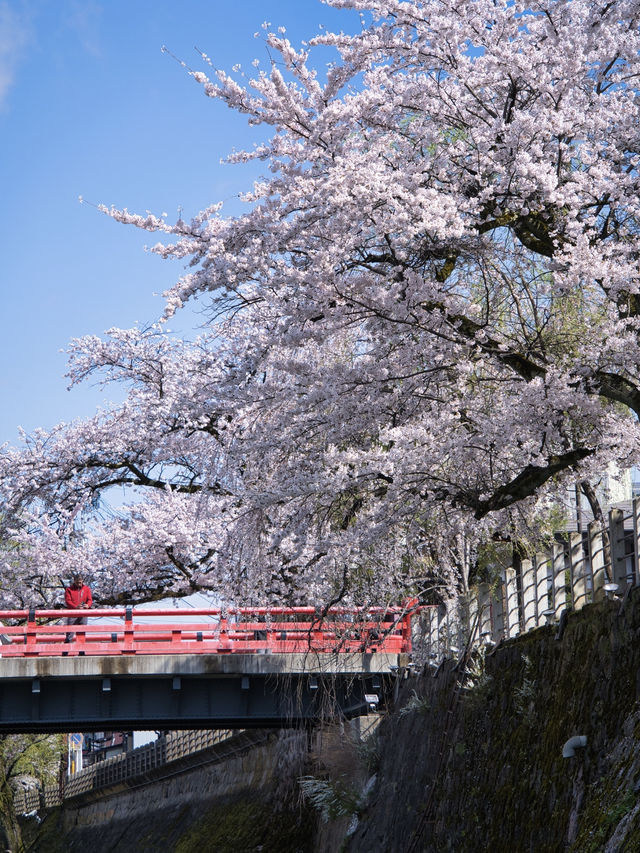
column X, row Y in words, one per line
column 543, row 564
column 596, row 556
column 498, row 612
column 559, row 590
column 578, row 571
column 511, row 596
column 484, row 613
column 636, row 541
column 618, row 550
column 529, row 594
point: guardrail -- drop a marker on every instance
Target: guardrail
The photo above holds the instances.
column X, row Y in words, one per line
column 31, row 633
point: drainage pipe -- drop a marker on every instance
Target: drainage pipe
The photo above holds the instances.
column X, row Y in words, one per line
column 569, row 749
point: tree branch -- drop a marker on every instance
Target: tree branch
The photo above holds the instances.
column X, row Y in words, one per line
column 527, row 482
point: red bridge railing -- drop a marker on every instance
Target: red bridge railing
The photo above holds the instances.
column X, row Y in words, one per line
column 119, row 631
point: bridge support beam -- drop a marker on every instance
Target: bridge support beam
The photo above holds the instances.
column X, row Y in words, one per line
column 191, row 691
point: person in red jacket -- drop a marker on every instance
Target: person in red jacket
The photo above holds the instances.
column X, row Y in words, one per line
column 77, row 596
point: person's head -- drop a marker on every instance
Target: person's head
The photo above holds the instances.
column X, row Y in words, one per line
column 78, row 581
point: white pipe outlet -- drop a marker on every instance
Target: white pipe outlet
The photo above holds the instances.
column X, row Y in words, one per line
column 569, row 749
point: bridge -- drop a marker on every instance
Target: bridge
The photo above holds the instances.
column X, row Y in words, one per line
column 239, row 668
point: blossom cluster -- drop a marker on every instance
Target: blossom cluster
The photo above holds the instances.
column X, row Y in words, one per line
column 423, row 328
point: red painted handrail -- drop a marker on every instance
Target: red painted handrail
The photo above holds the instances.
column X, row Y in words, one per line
column 260, row 630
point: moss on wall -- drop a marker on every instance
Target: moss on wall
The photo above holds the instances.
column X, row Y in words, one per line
column 482, row 769
column 241, row 825
column 248, row 825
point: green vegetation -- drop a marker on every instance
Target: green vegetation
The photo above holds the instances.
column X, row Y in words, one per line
column 331, row 798
column 24, row 755
column 416, row 704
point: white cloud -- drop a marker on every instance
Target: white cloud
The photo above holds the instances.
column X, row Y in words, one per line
column 14, row 34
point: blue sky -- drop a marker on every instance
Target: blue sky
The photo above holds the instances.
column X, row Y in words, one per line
column 91, row 107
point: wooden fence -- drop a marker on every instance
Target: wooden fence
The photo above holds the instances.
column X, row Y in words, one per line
column 578, row 569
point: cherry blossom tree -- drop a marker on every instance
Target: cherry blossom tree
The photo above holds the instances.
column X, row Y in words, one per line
column 423, row 328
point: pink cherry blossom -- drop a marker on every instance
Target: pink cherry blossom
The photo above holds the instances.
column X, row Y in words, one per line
column 423, row 329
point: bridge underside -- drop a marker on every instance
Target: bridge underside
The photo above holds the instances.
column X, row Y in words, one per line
column 190, row 691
